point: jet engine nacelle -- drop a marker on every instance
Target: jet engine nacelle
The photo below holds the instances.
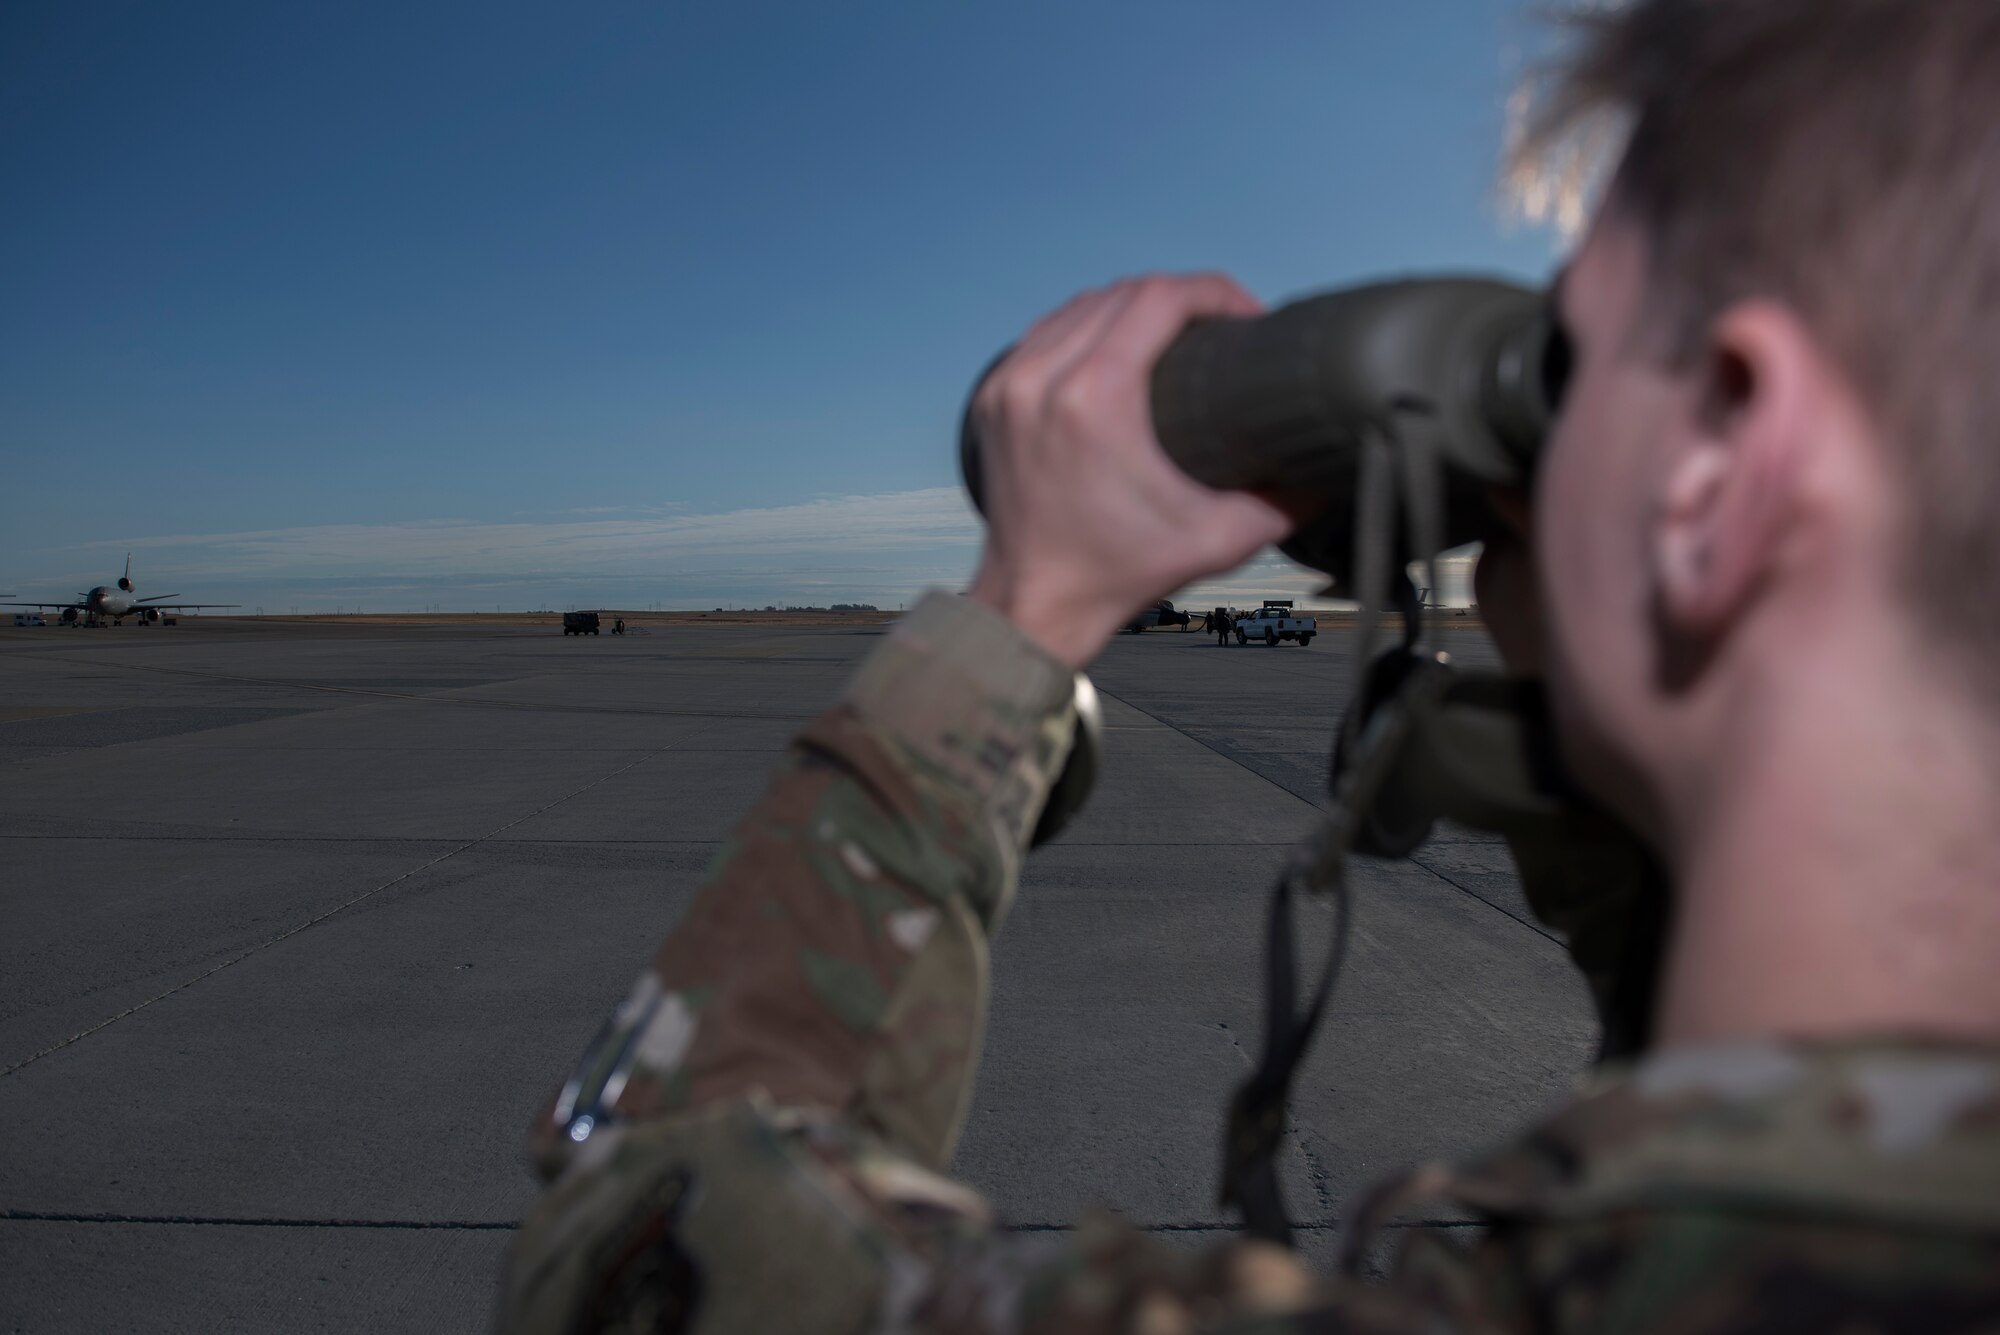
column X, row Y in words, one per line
column 148, row 615
column 69, row 615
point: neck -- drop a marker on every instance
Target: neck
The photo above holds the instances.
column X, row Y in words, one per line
column 1838, row 858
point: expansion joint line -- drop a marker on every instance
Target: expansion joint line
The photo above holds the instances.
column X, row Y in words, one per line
column 1529, row 923
column 1173, row 727
column 509, row 1225
column 1416, row 862
column 439, row 697
column 319, row 918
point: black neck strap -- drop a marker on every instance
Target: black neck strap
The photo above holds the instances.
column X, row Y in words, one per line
column 1391, row 469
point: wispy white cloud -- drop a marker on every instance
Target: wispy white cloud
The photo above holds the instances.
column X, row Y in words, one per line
column 670, row 508
column 882, row 548
column 846, row 525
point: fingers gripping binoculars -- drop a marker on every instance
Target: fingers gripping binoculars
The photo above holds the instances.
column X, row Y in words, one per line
column 1290, row 401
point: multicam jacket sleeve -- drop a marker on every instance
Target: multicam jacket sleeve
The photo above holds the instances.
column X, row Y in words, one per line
column 755, row 1140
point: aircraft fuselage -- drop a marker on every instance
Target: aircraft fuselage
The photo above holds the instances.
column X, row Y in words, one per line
column 108, row 601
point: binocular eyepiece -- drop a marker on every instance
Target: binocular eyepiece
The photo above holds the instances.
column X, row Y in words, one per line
column 1285, row 401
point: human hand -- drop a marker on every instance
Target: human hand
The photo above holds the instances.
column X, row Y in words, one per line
column 1088, row 520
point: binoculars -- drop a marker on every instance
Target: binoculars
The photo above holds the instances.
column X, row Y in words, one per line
column 1285, row 402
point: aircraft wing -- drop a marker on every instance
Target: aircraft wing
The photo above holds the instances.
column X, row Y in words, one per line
column 180, row 607
column 78, row 606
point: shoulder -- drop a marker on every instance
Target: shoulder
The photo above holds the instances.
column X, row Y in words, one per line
column 1725, row 1188
column 1897, row 1129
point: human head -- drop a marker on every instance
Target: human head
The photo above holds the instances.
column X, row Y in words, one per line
column 1799, row 250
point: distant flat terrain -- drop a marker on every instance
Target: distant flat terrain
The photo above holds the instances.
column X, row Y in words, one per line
column 302, row 920
column 635, row 620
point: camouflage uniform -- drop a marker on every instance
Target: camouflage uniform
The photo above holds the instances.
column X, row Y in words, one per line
column 755, row 1142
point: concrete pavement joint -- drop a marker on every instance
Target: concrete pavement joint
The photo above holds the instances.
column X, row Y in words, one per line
column 346, row 838
column 1175, row 728
column 435, row 698
column 1226, row 1226
column 510, row 1225
column 314, row 921
column 419, row 839
column 1528, row 923
column 228, row 1221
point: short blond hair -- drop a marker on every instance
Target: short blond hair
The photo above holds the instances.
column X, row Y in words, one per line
column 1841, row 157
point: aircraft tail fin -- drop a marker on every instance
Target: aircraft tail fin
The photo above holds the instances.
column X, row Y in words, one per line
column 125, row 580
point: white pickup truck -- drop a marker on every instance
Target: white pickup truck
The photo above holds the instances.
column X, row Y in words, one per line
column 1271, row 624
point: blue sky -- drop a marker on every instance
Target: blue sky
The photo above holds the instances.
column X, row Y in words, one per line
column 505, row 304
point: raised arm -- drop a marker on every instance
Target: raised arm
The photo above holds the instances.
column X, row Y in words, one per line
column 755, row 1140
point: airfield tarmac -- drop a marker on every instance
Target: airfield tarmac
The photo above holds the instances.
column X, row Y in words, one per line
column 300, row 923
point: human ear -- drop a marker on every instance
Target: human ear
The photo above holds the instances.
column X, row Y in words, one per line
column 1730, row 487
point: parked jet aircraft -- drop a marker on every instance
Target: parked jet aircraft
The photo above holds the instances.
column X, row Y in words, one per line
column 113, row 603
column 1162, row 613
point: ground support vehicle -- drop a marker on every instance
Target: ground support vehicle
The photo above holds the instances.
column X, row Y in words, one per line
column 579, row 623
column 1273, row 622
